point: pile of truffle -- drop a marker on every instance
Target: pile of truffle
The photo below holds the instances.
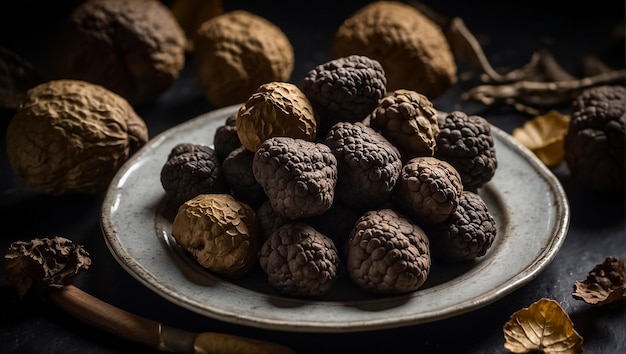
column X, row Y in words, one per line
column 335, row 175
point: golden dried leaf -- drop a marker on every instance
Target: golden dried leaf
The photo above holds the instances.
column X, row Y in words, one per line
column 605, row 284
column 190, row 14
column 44, row 262
column 544, row 136
column 543, row 327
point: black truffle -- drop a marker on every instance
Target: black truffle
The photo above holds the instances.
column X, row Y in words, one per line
column 237, row 169
column 225, row 139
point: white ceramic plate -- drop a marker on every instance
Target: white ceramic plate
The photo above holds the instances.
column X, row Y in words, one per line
column 525, row 198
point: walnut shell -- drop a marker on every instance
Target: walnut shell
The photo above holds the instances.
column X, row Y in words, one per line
column 275, row 109
column 387, row 253
column 409, row 120
column 298, row 176
column 219, row 232
column 428, row 190
column 237, row 52
column 72, row 136
column 412, row 49
column 300, row 261
column 134, row 48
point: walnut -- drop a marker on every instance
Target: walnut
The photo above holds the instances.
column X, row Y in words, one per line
column 408, row 120
column 387, row 253
column 466, row 143
column 298, row 176
column 594, row 143
column 134, row 48
column 467, row 233
column 16, row 77
column 72, row 136
column 411, row 48
column 237, row 52
column 219, row 232
column 275, row 109
column 190, row 170
column 345, row 89
column 44, row 262
column 368, row 165
column 428, row 190
column 300, row 261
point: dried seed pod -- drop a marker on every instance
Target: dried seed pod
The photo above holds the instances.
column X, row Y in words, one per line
column 237, row 169
column 237, row 52
column 467, row 233
column 387, row 253
column 466, row 143
column 300, row 261
column 408, row 120
column 275, row 109
column 298, row 176
column 44, row 262
column 225, row 139
column 594, row 144
column 428, row 189
column 219, row 232
column 345, row 89
column 134, row 48
column 368, row 165
column 412, row 49
column 72, row 136
column 190, row 170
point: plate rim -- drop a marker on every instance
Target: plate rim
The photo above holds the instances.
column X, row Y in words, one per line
column 138, row 271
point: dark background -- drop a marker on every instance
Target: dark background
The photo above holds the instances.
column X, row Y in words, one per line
column 509, row 32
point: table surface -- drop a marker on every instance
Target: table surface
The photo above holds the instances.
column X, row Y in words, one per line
column 509, row 31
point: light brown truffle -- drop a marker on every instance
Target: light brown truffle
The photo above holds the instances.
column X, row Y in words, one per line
column 411, row 48
column 275, row 109
column 133, row 48
column 237, row 52
column 72, row 136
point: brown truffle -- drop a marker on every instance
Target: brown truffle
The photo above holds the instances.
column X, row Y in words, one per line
column 275, row 109
column 72, row 136
column 134, row 48
column 411, row 48
column 237, row 52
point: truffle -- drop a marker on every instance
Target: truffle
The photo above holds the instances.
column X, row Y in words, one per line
column 298, row 176
column 225, row 139
column 133, row 48
column 237, row 169
column 466, row 143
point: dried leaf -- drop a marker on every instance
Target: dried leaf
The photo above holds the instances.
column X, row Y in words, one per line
column 543, row 327
column 44, row 262
column 16, row 77
column 190, row 14
column 605, row 284
column 544, row 136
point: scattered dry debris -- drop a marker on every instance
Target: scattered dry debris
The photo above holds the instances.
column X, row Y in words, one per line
column 605, row 284
column 544, row 136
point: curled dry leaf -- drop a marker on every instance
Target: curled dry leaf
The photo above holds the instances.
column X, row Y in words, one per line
column 44, row 262
column 605, row 284
column 544, row 136
column 542, row 327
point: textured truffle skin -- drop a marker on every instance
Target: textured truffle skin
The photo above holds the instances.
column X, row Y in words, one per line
column 237, row 52
column 411, row 48
column 225, row 139
column 275, row 109
column 409, row 121
column 387, row 253
column 467, row 234
column 134, row 48
column 190, row 170
column 298, row 176
column 219, row 232
column 428, row 190
column 300, row 261
column 345, row 89
column 466, row 143
column 269, row 220
column 237, row 170
column 594, row 144
column 368, row 165
column 72, row 136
